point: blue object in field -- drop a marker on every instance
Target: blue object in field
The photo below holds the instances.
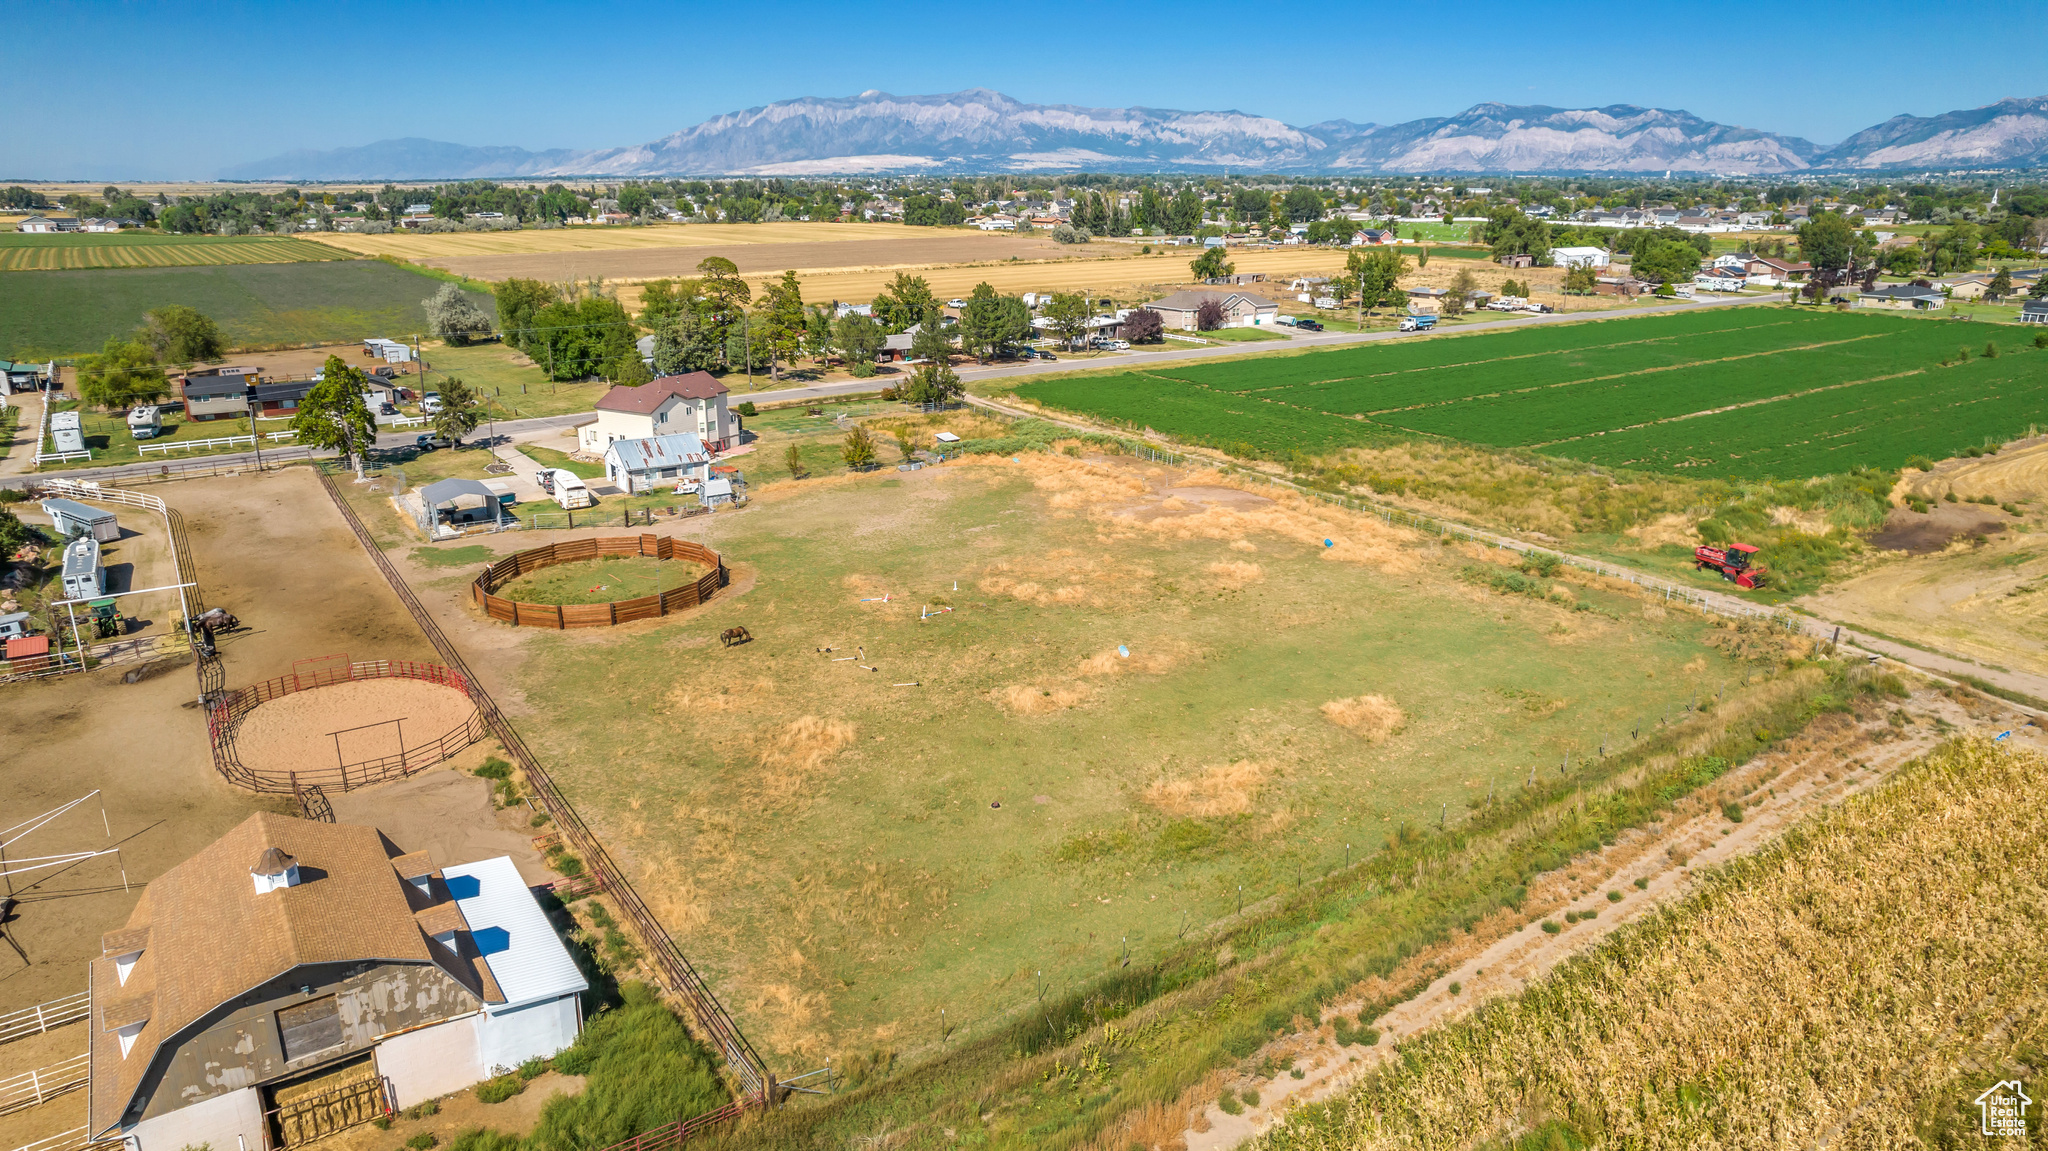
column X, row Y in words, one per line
column 2001, row 735
column 1329, row 543
column 1126, row 653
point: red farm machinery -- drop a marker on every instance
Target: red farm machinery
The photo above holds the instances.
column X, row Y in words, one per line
column 1732, row 561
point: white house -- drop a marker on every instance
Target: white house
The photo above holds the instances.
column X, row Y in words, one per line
column 643, row 465
column 1579, row 257
column 693, row 403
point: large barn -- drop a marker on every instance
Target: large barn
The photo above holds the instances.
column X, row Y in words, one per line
column 290, row 952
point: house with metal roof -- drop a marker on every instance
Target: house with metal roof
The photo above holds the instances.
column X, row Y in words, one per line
column 694, row 402
column 291, row 953
column 643, row 465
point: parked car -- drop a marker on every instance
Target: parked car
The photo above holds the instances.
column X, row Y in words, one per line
column 387, row 409
column 956, row 303
column 1308, row 325
column 431, row 403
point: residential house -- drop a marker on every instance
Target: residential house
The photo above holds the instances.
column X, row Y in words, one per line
column 1426, row 301
column 48, row 224
column 96, row 224
column 1903, row 297
column 1967, row 287
column 1374, row 236
column 1769, row 271
column 644, row 465
column 1621, row 286
column 1754, row 220
column 1240, row 309
column 1720, row 279
column 1579, row 257
column 694, row 402
column 2034, row 312
column 280, row 400
column 1736, row 260
column 216, row 393
column 289, row 951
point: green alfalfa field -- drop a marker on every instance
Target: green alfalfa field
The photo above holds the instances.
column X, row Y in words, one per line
column 882, row 827
column 1784, row 392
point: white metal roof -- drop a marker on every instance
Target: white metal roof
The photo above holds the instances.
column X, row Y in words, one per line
column 512, row 933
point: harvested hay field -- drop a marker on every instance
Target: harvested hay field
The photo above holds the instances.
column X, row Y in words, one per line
column 430, row 246
column 30, row 251
column 321, row 729
column 945, row 802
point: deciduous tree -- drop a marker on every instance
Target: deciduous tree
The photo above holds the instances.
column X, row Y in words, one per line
column 687, row 342
column 124, row 373
column 182, row 335
column 904, row 302
column 518, row 301
column 1067, row 314
column 859, row 339
column 1209, row 315
column 1213, row 263
column 1143, row 325
column 452, row 317
column 335, row 415
column 1377, row 272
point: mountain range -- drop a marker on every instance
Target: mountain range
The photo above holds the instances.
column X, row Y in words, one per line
column 979, row 131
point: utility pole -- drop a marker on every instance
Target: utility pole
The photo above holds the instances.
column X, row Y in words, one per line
column 255, row 440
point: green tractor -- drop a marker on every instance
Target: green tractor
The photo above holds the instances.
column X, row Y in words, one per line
column 106, row 619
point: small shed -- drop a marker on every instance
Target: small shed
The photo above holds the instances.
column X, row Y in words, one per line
column 14, row 625
column 84, row 578
column 72, row 518
column 28, row 653
column 643, row 464
column 459, row 502
column 716, row 492
column 946, row 438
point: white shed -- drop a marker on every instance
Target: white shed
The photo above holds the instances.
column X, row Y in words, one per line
column 84, row 578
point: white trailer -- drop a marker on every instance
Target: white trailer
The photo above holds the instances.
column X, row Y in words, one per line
column 146, row 422
column 67, row 432
column 84, row 578
column 571, row 492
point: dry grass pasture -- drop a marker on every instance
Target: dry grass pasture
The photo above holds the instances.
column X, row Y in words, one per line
column 879, row 809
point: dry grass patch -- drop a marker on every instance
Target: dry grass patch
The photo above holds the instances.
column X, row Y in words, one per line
column 1030, row 699
column 1372, row 717
column 801, row 753
column 736, row 695
column 1235, row 575
column 1227, row 789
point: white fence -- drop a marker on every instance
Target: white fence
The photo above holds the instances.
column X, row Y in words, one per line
column 43, row 1016
column 34, row 1088
column 215, row 442
column 405, row 421
column 76, row 1139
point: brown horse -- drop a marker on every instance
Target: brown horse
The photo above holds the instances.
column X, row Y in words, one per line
column 734, row 636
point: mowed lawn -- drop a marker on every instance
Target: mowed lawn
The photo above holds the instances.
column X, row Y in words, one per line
column 33, row 251
column 864, row 817
column 71, row 312
column 1779, row 391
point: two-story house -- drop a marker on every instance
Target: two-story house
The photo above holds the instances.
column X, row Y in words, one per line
column 291, row 959
column 693, row 403
column 216, row 393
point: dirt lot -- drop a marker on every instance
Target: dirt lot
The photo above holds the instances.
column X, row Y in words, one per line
column 349, row 723
column 144, row 744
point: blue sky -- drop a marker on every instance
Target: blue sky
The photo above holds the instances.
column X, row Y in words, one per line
column 145, row 90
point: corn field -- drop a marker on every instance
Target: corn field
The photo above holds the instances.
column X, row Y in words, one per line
column 1854, row 986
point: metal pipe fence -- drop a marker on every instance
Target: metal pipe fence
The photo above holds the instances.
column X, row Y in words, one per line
column 43, row 1016
column 224, row 718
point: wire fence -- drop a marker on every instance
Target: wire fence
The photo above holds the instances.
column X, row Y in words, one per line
column 672, row 968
